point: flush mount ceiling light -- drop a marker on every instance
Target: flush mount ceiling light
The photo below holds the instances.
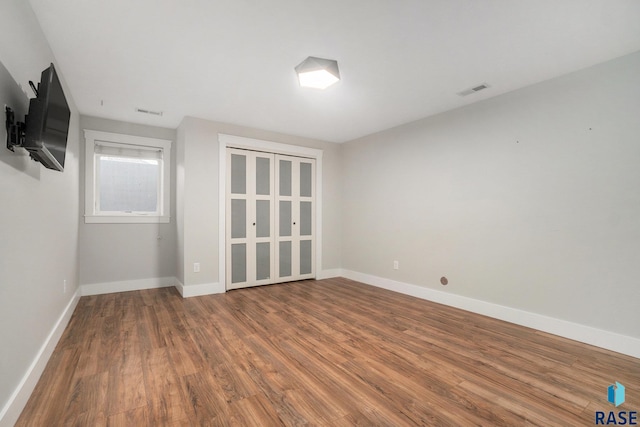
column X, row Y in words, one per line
column 317, row 73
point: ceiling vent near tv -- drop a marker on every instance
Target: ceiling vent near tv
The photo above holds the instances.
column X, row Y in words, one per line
column 145, row 111
column 474, row 89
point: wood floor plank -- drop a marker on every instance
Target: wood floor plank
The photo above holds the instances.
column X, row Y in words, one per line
column 330, row 353
column 87, row 402
column 165, row 396
column 133, row 417
column 206, row 404
column 254, row 411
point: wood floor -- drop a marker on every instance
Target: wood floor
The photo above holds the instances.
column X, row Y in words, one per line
column 330, row 352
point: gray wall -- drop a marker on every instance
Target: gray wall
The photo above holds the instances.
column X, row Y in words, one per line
column 121, row 252
column 529, row 200
column 197, row 171
column 38, row 212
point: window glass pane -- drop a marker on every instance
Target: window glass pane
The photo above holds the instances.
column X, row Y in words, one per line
column 285, row 259
column 305, row 218
column 128, row 184
column 238, row 174
column 263, row 176
column 263, row 260
column 263, row 218
column 285, row 178
column 305, row 257
column 238, row 218
column 305, row 179
column 285, row 218
column 238, row 263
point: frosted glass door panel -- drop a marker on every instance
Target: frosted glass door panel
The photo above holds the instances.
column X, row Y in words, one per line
column 238, row 263
column 263, row 176
column 238, row 174
column 238, row 218
column 306, row 180
column 285, row 218
column 305, row 219
column 285, row 259
column 285, row 178
column 263, row 218
column 263, row 260
column 305, row 257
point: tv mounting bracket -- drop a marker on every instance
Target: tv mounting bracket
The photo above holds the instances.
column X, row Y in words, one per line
column 15, row 130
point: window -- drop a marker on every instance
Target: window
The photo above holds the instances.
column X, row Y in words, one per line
column 126, row 178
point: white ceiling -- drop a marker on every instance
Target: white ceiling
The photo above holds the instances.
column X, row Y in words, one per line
column 400, row 60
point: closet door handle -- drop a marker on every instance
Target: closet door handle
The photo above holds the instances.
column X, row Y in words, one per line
column 294, row 223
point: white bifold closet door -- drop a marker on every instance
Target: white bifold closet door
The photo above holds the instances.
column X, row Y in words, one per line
column 270, row 220
column 295, row 218
column 250, row 219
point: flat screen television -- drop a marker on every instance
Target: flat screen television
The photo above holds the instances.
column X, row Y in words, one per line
column 47, row 123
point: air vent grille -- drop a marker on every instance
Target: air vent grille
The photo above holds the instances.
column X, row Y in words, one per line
column 151, row 112
column 474, row 89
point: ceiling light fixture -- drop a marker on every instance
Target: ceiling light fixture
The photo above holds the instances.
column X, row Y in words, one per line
column 317, row 73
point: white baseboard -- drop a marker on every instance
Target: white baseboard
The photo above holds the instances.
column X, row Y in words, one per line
column 586, row 334
column 329, row 274
column 16, row 403
column 127, row 285
column 199, row 290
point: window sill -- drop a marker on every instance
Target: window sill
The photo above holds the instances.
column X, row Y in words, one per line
column 126, row 219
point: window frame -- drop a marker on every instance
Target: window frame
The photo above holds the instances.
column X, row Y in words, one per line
column 92, row 215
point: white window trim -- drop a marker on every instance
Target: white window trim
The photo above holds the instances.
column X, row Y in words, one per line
column 90, row 214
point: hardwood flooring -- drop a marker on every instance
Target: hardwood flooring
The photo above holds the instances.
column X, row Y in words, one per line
column 329, row 352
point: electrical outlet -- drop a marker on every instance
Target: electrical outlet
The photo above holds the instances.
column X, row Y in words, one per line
column 396, row 265
column 196, row 267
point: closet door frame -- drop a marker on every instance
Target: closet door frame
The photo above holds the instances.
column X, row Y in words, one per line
column 231, row 141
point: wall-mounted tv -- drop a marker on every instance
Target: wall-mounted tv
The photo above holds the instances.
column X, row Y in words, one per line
column 46, row 126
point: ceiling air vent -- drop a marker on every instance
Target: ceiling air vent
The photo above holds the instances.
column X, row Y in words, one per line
column 474, row 89
column 145, row 111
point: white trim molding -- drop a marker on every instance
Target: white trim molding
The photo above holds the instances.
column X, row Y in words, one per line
column 270, row 147
column 330, row 274
column 127, row 285
column 199, row 289
column 574, row 331
column 16, row 403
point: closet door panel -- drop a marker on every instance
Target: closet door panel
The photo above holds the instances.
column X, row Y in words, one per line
column 250, row 218
column 263, row 219
column 296, row 191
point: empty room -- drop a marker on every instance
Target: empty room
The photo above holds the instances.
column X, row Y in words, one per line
column 338, row 213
